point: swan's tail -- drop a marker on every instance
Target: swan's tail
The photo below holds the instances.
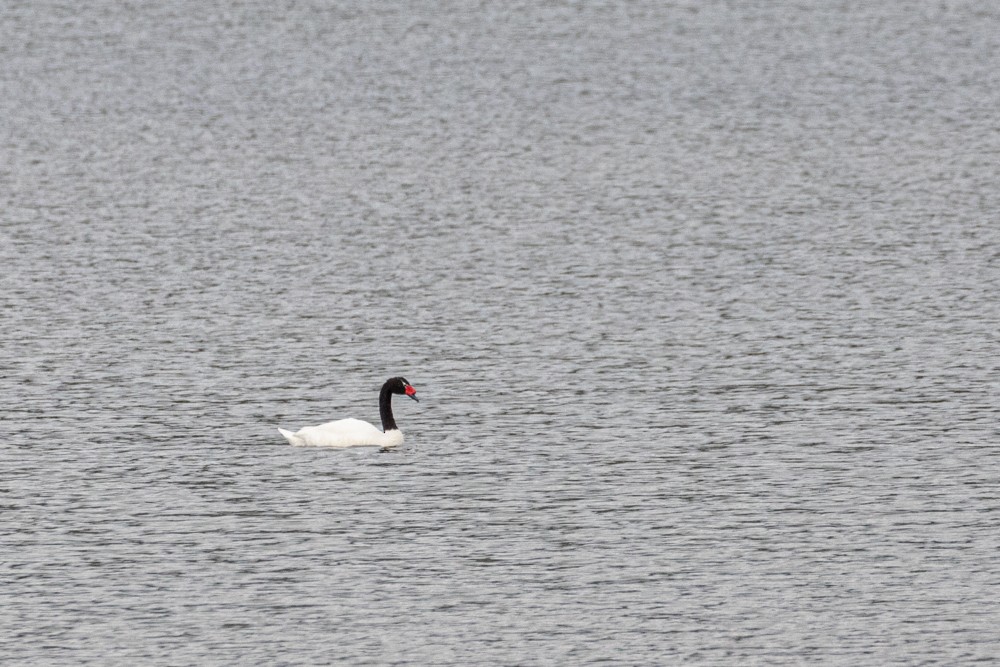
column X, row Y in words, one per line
column 292, row 438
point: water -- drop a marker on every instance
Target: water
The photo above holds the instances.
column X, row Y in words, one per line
column 700, row 300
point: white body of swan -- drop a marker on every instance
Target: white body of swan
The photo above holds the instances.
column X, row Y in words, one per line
column 354, row 432
column 344, row 433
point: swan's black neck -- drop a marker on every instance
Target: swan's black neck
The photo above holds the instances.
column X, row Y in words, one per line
column 385, row 409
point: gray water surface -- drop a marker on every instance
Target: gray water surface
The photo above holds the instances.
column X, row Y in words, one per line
column 700, row 299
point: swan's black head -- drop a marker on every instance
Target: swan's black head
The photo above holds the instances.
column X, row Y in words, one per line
column 401, row 386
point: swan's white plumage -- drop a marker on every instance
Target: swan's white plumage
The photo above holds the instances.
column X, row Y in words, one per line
column 344, row 433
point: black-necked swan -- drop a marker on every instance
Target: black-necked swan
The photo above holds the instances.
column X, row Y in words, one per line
column 354, row 432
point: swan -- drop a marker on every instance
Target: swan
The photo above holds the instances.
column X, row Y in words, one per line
column 354, row 432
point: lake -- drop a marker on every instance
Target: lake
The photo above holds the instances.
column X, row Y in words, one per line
column 700, row 300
